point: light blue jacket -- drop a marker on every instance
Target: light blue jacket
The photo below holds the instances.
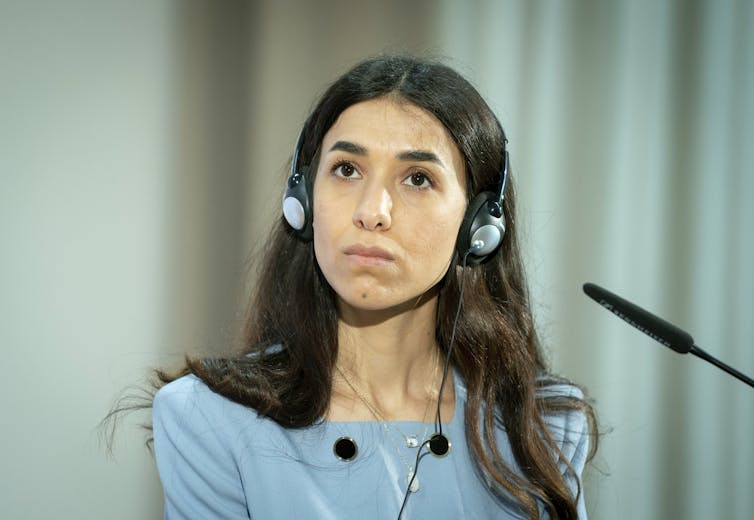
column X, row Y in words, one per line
column 220, row 460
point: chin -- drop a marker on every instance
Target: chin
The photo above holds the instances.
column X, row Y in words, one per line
column 367, row 301
column 390, row 303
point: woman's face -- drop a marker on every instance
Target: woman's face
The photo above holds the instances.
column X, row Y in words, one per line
column 389, row 197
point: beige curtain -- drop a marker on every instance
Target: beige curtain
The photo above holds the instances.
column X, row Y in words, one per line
column 144, row 147
column 631, row 128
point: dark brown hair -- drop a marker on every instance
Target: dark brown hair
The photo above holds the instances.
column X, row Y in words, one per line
column 496, row 349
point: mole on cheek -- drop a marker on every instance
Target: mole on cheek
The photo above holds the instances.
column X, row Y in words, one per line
column 364, row 295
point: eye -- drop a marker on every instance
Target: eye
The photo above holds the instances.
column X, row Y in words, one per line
column 345, row 170
column 418, row 180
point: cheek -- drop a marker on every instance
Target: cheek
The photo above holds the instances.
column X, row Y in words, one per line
column 330, row 212
column 436, row 240
column 328, row 225
column 320, row 226
column 321, row 212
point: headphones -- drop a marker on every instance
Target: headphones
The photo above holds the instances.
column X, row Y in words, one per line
column 297, row 208
column 480, row 234
column 483, row 225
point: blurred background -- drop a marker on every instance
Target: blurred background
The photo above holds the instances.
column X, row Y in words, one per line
column 143, row 147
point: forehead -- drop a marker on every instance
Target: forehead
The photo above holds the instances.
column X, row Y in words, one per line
column 392, row 125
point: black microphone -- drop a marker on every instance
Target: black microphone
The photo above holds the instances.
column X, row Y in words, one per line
column 656, row 328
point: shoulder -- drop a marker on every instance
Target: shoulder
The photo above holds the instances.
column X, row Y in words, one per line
column 188, row 407
column 183, row 401
column 184, row 415
column 186, row 390
column 557, row 389
column 570, row 427
column 566, row 419
column 196, row 448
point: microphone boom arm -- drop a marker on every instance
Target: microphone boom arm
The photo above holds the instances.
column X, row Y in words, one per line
column 719, row 364
column 655, row 327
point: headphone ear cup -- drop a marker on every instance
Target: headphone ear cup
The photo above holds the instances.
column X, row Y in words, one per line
column 484, row 223
column 297, row 206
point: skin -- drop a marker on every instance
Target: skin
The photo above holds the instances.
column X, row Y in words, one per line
column 389, row 197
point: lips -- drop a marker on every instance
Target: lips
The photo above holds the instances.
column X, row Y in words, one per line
column 368, row 252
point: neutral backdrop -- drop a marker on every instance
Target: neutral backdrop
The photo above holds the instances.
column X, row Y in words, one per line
column 143, row 148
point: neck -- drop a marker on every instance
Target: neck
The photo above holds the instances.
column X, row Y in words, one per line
column 391, row 358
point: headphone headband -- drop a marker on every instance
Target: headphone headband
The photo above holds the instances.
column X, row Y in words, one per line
column 297, row 152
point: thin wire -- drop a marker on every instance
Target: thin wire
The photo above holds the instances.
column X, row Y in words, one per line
column 442, row 386
column 452, row 341
column 416, row 472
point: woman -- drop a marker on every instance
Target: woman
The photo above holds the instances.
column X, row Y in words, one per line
column 393, row 256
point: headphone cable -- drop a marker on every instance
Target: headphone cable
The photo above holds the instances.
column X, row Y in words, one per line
column 438, row 420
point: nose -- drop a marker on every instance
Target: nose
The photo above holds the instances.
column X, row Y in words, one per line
column 373, row 211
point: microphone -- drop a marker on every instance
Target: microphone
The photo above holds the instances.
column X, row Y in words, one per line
column 651, row 325
column 656, row 328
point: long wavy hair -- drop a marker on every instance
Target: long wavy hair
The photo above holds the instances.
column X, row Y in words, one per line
column 496, row 349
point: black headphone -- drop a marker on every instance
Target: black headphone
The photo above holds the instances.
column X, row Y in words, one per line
column 297, row 208
column 483, row 225
column 480, row 234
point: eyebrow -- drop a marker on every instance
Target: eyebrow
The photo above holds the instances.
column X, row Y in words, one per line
column 346, row 146
column 420, row 156
column 413, row 155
